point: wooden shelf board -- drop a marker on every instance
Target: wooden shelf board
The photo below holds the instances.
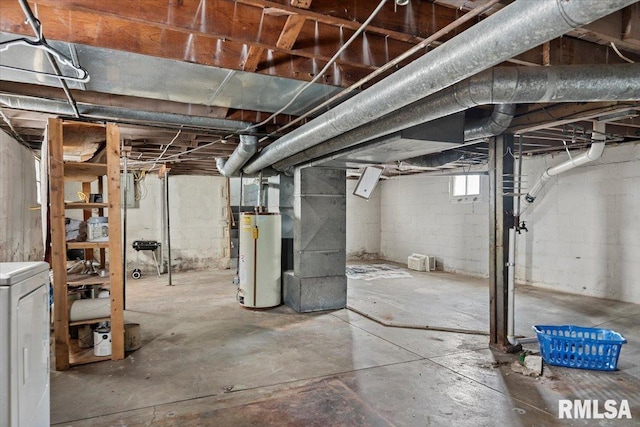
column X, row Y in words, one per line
column 81, row 356
column 86, row 279
column 82, row 205
column 90, row 321
column 83, row 172
column 87, row 245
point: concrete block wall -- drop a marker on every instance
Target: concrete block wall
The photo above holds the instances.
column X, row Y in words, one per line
column 363, row 224
column 418, row 215
column 20, row 227
column 197, row 216
column 198, row 221
column 584, row 229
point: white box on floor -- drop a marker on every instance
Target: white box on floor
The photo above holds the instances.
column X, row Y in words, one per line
column 421, row 262
column 416, row 262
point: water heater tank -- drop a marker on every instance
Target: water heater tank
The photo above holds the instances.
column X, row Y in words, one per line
column 259, row 262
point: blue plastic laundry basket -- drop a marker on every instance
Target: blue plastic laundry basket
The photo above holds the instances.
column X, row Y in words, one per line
column 579, row 347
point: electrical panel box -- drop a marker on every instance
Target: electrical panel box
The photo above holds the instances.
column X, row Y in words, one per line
column 131, row 200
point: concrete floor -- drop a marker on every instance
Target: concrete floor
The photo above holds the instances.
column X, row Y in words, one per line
column 205, row 361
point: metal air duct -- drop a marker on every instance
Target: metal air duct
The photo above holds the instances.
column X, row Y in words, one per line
column 516, row 28
column 495, row 124
column 500, row 85
column 247, row 148
column 30, row 103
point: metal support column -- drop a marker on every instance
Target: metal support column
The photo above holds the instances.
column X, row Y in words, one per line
column 318, row 281
column 168, row 207
column 500, row 221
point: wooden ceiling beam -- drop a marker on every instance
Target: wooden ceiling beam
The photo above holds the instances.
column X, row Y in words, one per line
column 290, row 32
column 90, row 18
column 572, row 51
column 631, row 24
column 560, row 114
column 350, row 24
column 168, row 41
column 615, row 28
column 252, row 59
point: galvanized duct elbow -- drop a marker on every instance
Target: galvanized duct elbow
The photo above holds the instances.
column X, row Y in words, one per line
column 243, row 152
column 495, row 124
column 501, row 85
column 487, row 43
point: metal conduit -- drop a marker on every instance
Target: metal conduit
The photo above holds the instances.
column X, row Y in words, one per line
column 500, row 85
column 516, row 28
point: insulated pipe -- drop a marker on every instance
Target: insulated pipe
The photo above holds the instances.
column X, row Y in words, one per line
column 518, row 27
column 243, row 152
column 500, row 85
column 594, row 153
column 53, row 106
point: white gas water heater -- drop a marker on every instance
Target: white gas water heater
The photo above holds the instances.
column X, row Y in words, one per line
column 259, row 263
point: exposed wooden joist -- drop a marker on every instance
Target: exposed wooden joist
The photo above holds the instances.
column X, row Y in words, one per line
column 609, row 30
column 133, row 34
column 290, row 32
column 164, row 169
column 560, row 114
column 631, row 24
column 349, row 24
column 252, row 59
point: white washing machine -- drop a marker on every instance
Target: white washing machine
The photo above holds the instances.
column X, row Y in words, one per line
column 24, row 344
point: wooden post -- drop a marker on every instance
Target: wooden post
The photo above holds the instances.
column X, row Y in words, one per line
column 115, row 242
column 58, row 244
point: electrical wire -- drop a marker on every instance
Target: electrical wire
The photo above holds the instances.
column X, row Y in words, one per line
column 422, row 45
column 615, row 48
column 139, row 178
column 166, row 148
column 324, row 69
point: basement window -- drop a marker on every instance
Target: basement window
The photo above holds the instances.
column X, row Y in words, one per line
column 465, row 186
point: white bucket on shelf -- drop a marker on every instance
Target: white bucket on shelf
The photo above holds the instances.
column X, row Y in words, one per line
column 102, row 342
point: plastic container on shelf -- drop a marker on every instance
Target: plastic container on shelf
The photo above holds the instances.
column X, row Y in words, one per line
column 102, row 342
column 98, row 229
column 579, row 347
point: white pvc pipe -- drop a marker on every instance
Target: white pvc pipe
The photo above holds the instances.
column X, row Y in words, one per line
column 592, row 154
column 511, row 288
